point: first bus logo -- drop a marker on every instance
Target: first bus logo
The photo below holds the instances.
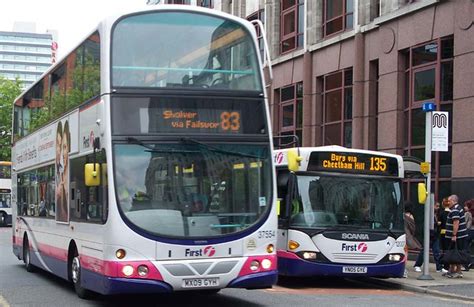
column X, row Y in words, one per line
column 207, row 251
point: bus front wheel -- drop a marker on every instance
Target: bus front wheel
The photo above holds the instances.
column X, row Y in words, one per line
column 75, row 270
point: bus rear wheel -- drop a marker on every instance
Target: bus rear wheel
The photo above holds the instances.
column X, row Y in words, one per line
column 27, row 256
column 3, row 219
column 75, row 271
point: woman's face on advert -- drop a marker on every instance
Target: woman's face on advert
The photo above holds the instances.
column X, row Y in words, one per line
column 65, row 150
column 58, row 146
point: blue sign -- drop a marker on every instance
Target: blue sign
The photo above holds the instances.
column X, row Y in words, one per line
column 429, row 107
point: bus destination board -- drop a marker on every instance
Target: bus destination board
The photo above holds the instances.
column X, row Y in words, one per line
column 199, row 120
column 356, row 163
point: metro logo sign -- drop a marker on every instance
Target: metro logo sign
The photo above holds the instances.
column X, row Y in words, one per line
column 207, row 251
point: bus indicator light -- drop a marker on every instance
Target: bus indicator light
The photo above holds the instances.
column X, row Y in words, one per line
column 270, row 248
column 292, row 245
column 120, row 253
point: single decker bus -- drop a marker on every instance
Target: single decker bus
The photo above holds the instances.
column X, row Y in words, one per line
column 340, row 212
column 5, row 193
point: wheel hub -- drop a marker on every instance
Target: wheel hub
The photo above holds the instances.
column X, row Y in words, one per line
column 75, row 269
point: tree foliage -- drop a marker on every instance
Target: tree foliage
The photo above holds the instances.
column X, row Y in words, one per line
column 9, row 90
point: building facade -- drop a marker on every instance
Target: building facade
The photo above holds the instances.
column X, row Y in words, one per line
column 356, row 73
column 25, row 56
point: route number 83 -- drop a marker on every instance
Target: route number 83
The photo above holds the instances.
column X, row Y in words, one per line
column 230, row 121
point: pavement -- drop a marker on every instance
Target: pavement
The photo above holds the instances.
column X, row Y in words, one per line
column 459, row 288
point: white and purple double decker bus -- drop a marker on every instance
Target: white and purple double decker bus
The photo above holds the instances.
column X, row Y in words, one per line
column 142, row 160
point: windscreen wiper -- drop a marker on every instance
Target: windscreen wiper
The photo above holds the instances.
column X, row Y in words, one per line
column 215, row 149
column 389, row 231
column 333, row 228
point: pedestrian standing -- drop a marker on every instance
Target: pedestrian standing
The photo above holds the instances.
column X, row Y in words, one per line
column 434, row 244
column 410, row 229
column 443, row 217
column 468, row 208
column 456, row 231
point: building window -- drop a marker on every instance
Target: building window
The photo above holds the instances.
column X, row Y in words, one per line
column 337, row 108
column 291, row 113
column 259, row 15
column 429, row 78
column 205, row 3
column 338, row 16
column 291, row 25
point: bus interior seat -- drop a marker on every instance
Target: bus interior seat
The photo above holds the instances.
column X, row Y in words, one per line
column 163, row 221
column 242, row 82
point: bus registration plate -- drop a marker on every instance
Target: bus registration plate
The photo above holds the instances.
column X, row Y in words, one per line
column 354, row 269
column 200, row 282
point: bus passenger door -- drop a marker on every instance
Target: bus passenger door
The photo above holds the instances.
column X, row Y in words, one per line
column 75, row 200
column 283, row 209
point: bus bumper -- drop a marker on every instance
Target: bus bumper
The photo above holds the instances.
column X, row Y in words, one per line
column 262, row 280
column 116, row 285
column 300, row 267
column 135, row 286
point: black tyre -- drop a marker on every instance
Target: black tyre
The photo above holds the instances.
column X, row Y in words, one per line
column 75, row 273
column 3, row 219
column 27, row 256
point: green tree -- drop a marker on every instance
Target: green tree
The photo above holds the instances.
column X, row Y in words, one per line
column 9, row 90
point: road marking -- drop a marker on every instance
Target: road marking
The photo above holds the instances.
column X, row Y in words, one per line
column 3, row 302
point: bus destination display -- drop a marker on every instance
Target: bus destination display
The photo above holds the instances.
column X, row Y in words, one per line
column 211, row 121
column 353, row 163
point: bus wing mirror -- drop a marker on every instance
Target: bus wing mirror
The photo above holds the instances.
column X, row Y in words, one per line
column 294, row 160
column 421, row 193
column 92, row 174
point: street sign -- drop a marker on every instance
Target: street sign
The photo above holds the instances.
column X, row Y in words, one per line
column 440, row 131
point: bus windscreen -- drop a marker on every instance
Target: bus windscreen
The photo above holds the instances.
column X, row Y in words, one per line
column 183, row 50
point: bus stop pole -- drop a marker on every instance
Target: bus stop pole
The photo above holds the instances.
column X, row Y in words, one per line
column 428, row 108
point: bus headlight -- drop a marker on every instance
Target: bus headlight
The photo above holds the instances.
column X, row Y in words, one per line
column 394, row 257
column 142, row 270
column 309, row 255
column 266, row 264
column 254, row 265
column 127, row 270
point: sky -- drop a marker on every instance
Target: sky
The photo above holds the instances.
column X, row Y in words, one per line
column 72, row 19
